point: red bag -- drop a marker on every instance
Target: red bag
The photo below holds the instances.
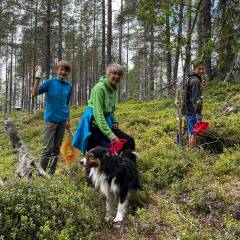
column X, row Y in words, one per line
column 200, row 127
column 116, row 147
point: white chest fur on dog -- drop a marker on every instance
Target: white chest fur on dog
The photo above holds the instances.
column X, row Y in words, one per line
column 100, row 182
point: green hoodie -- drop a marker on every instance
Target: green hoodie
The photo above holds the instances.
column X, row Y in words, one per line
column 103, row 100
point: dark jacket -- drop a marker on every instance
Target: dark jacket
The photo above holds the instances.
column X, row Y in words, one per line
column 194, row 95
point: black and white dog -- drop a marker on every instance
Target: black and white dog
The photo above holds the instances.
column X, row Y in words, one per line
column 114, row 176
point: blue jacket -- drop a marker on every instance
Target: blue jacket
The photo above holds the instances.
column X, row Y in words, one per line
column 82, row 133
column 58, row 94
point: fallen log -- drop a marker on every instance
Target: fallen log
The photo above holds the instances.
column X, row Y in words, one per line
column 26, row 162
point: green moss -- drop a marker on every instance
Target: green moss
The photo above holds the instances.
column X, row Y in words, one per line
column 188, row 194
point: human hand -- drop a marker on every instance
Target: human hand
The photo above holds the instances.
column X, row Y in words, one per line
column 115, row 125
column 38, row 72
column 199, row 117
column 67, row 124
column 114, row 138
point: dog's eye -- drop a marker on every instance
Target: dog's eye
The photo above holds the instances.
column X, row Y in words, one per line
column 90, row 155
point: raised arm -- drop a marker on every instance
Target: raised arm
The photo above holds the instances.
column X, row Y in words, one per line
column 37, row 81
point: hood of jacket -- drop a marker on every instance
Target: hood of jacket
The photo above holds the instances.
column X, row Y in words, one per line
column 105, row 80
column 193, row 74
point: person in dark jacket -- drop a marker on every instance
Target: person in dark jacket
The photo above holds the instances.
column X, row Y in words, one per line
column 193, row 109
column 56, row 115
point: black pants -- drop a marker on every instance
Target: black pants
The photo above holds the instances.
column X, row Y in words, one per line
column 97, row 138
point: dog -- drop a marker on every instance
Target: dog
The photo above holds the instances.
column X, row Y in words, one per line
column 114, row 176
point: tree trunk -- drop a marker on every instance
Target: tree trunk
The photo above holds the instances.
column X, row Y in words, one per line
column 109, row 33
column 48, row 40
column 190, row 28
column 81, row 66
column 179, row 41
column 11, row 74
column 15, row 71
column 73, row 95
column 6, row 86
column 120, row 34
column 86, row 72
column 23, row 86
column 126, row 79
column 227, row 40
column 189, row 34
column 169, row 55
column 60, row 37
column 29, row 93
column 151, row 63
column 34, row 99
column 145, row 62
column 204, row 35
column 98, row 57
column 103, row 64
column 120, row 46
column 94, row 48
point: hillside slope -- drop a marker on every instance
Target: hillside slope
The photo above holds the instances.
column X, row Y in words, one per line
column 190, row 194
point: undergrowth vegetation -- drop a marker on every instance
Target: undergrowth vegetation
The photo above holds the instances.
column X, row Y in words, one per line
column 189, row 194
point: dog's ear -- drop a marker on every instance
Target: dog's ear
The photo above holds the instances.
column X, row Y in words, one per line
column 100, row 152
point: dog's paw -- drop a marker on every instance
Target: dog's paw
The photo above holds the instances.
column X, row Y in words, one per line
column 117, row 219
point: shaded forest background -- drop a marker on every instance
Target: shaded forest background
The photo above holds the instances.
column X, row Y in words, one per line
column 154, row 40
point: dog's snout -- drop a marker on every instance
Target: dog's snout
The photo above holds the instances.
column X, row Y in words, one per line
column 83, row 161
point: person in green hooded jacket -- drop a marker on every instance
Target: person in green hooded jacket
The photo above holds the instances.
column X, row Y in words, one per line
column 99, row 125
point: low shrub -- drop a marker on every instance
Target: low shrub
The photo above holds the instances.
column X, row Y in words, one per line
column 49, row 209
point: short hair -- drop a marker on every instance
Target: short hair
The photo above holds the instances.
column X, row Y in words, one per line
column 65, row 64
column 114, row 67
column 197, row 63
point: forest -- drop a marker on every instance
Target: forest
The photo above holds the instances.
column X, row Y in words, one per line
column 155, row 41
column 187, row 194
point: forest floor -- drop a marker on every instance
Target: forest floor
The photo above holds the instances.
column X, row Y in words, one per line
column 189, row 194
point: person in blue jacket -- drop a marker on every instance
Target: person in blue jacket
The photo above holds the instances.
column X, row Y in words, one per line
column 56, row 115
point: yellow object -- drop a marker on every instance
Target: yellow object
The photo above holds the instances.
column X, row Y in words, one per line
column 184, row 122
column 67, row 150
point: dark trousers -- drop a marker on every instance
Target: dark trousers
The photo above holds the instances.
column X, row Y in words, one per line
column 53, row 137
column 97, row 137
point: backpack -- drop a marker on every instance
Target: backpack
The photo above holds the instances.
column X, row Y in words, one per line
column 181, row 93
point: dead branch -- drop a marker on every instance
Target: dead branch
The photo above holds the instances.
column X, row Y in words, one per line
column 26, row 162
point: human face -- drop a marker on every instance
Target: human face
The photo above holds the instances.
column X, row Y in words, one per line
column 62, row 73
column 114, row 78
column 200, row 70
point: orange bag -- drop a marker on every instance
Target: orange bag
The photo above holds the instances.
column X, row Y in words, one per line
column 67, row 150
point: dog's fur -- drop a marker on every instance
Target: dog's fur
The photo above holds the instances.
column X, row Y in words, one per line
column 114, row 176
